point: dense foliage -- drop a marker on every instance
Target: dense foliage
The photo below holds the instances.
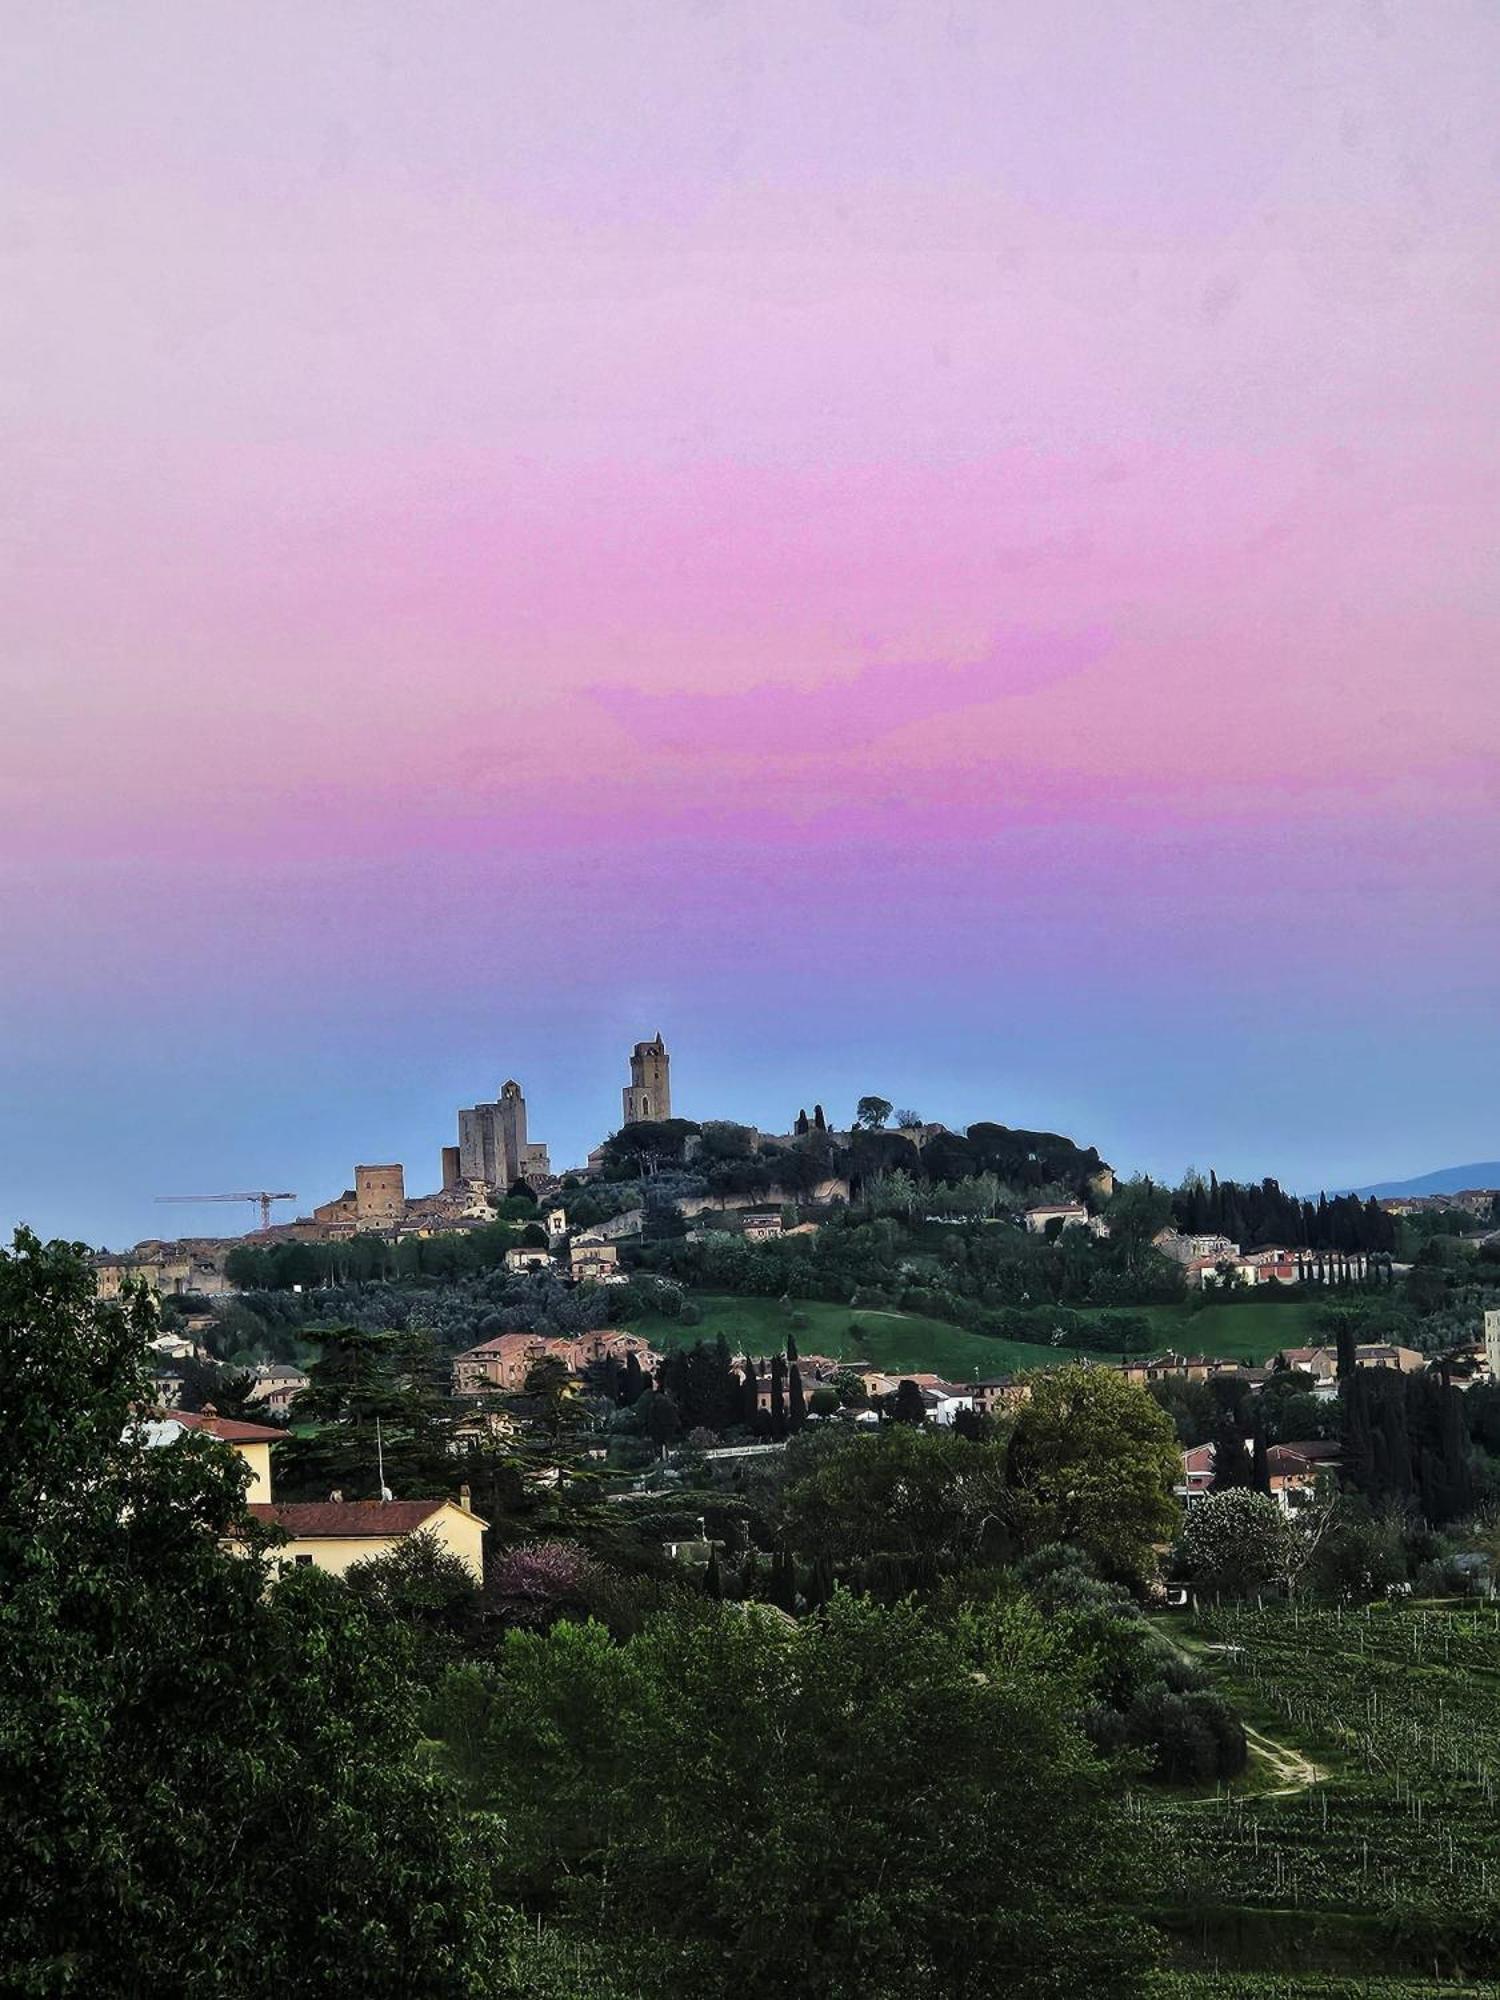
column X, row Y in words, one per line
column 860, row 1806
column 206, row 1784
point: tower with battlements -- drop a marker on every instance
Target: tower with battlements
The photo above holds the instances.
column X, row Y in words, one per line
column 648, row 1095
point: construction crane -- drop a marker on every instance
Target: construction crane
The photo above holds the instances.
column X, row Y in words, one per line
column 260, row 1195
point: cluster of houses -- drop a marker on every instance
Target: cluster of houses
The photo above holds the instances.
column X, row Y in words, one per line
column 1321, row 1363
column 1294, row 1469
column 1208, row 1261
column 499, row 1367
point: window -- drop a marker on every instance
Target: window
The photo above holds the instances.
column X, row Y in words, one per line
column 302, row 1562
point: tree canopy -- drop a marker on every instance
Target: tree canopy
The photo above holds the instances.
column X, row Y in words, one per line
column 200, row 1772
column 1092, row 1461
column 847, row 1807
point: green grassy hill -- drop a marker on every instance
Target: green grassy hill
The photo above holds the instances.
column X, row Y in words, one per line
column 907, row 1340
column 1236, row 1332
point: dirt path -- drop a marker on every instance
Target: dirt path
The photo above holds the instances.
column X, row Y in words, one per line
column 1293, row 1771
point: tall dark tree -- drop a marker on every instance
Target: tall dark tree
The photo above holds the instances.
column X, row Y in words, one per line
column 634, row 1385
column 1348, row 1357
column 1260, row 1473
column 1232, row 1465
column 778, row 1397
column 796, row 1408
column 906, row 1404
column 749, row 1394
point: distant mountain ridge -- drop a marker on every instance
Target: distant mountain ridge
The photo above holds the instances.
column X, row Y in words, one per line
column 1446, row 1180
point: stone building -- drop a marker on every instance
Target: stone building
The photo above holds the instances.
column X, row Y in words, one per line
column 648, row 1095
column 193, row 1265
column 379, row 1196
column 493, row 1146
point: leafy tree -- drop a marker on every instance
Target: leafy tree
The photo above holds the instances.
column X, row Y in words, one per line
column 1235, row 1542
column 677, row 1792
column 1359, row 1555
column 897, row 1507
column 375, row 1398
column 200, row 1774
column 229, row 1390
column 1190, row 1738
column 1138, row 1211
column 549, row 1388
column 421, row 1586
column 1093, row 1460
column 906, row 1405
column 871, row 1113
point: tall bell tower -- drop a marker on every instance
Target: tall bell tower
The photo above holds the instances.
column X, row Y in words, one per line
column 648, row 1095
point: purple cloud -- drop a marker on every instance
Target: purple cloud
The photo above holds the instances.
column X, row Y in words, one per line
column 773, row 719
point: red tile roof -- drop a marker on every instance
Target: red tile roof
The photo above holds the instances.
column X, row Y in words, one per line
column 303, row 1518
column 230, row 1429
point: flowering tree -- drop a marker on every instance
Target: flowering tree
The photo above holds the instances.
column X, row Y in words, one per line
column 1236, row 1541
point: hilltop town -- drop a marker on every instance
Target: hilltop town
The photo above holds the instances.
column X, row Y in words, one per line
column 938, row 1267
column 867, row 1404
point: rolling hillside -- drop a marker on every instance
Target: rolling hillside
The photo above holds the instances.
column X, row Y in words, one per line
column 895, row 1340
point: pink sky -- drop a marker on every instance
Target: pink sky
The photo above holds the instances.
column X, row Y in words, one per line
column 616, row 516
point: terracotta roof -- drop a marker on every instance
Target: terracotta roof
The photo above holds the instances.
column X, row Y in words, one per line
column 304, row 1518
column 230, row 1429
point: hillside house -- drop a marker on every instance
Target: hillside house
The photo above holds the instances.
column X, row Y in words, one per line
column 500, row 1366
column 251, row 1442
column 276, row 1384
column 336, row 1534
column 1068, row 1214
column 761, row 1225
column 528, row 1261
column 1322, row 1363
column 997, row 1394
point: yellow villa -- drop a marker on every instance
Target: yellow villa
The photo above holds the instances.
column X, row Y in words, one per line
column 251, row 1441
column 335, row 1534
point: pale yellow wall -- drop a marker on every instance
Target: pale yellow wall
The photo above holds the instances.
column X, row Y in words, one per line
column 460, row 1533
column 463, row 1536
column 329, row 1552
column 258, row 1458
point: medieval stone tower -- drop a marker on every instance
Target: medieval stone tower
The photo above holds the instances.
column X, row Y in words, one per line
column 648, row 1095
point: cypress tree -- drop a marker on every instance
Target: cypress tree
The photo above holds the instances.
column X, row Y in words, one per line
column 713, row 1576
column 634, row 1385
column 1231, row 1461
column 1347, row 1348
column 791, row 1349
column 1260, row 1474
column 796, row 1415
column 749, row 1395
column 1457, row 1472
column 782, row 1589
column 778, row 1398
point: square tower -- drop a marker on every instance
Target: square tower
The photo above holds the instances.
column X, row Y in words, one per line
column 648, row 1095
